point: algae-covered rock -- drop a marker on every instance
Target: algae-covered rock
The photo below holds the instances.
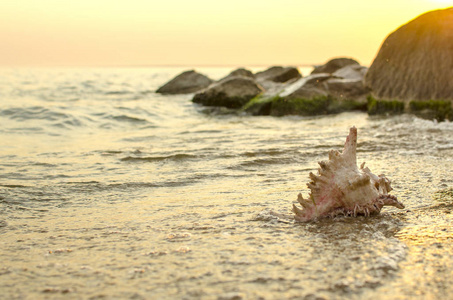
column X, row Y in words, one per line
column 259, row 106
column 439, row 110
column 308, row 91
column 262, row 105
column 185, row 83
column 299, row 106
column 384, row 107
column 316, row 94
column 314, row 106
column 344, row 84
column 231, row 93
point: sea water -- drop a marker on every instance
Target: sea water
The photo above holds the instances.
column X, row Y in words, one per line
column 109, row 190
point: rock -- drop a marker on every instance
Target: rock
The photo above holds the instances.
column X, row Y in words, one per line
column 241, row 72
column 231, row 93
column 384, row 107
column 185, row 83
column 439, row 110
column 304, row 87
column 262, row 105
column 348, row 83
column 334, row 64
column 351, row 72
column 347, row 89
column 317, row 79
column 316, row 94
column 293, row 105
column 415, row 62
column 307, row 92
column 259, row 106
column 278, row 74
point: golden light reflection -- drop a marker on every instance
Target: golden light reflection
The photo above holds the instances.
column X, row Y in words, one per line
column 425, row 234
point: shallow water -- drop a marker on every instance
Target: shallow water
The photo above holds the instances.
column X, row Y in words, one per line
column 108, row 190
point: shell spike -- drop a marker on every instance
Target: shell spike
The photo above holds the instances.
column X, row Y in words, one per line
column 350, row 147
column 313, row 177
column 324, row 165
column 333, row 154
column 300, row 199
column 297, row 211
column 305, row 203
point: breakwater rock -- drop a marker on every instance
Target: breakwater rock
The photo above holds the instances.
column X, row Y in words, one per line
column 278, row 74
column 319, row 93
column 232, row 92
column 415, row 67
column 334, row 64
column 185, row 83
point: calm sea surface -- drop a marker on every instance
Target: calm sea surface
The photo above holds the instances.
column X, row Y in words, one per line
column 108, row 190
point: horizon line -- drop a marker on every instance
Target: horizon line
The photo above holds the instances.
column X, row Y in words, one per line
column 161, row 66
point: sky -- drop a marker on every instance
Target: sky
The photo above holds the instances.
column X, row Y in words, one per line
column 198, row 32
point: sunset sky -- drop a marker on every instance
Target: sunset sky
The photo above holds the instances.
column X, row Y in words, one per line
column 198, row 32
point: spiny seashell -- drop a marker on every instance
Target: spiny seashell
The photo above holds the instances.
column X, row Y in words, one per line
column 341, row 188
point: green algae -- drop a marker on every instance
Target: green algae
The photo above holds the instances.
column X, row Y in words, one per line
column 299, row 106
column 384, row 107
column 281, row 106
column 439, row 110
column 259, row 105
column 221, row 99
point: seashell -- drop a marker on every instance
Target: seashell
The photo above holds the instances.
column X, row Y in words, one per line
column 341, row 188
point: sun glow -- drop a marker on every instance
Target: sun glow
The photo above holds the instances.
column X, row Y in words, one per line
column 175, row 32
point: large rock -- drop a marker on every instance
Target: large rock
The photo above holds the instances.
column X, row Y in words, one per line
column 347, row 89
column 241, row 72
column 308, row 92
column 351, row 72
column 316, row 94
column 307, row 87
column 278, row 74
column 416, row 61
column 231, row 93
column 334, row 64
column 185, row 83
column 344, row 84
column 317, row 79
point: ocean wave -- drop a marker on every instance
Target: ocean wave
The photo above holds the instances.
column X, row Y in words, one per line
column 175, row 157
column 270, row 152
column 126, row 118
column 262, row 162
column 52, row 115
column 108, row 93
column 47, row 119
column 30, row 113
